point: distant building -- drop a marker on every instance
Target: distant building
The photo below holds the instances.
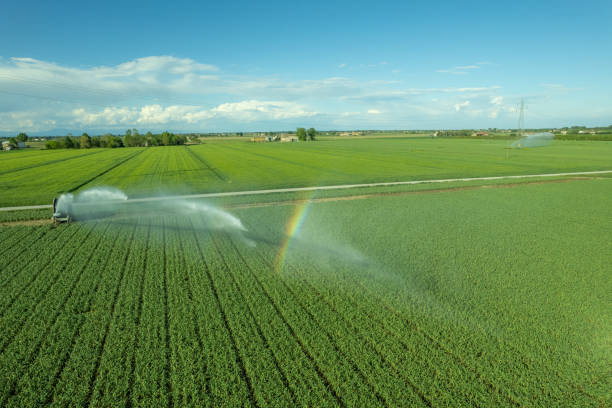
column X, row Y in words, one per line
column 288, row 138
column 350, row 133
column 6, row 145
column 259, row 139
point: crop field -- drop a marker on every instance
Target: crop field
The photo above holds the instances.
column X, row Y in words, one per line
column 34, row 177
column 468, row 294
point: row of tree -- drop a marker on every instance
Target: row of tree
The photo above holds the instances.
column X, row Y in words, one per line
column 14, row 141
column 304, row 135
column 131, row 139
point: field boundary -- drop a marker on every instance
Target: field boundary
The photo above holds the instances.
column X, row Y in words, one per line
column 396, row 193
column 332, row 187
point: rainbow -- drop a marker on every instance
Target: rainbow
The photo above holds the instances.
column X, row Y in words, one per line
column 295, row 222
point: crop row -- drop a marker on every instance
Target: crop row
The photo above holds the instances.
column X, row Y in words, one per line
column 230, row 166
column 169, row 311
column 38, row 185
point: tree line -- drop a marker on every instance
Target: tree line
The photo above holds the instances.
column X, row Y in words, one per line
column 132, row 138
column 304, row 135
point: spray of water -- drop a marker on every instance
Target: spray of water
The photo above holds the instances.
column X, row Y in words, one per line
column 534, row 140
column 89, row 203
column 113, row 205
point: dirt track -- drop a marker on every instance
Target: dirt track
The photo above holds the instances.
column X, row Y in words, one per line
column 47, row 221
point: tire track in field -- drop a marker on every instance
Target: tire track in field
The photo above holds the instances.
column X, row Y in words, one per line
column 66, row 354
column 326, row 382
column 23, row 319
column 239, row 360
column 66, row 357
column 196, row 326
column 411, row 324
column 13, row 384
column 392, row 333
column 138, row 318
column 34, row 275
column 256, row 323
column 48, row 163
column 459, row 359
column 432, row 340
column 113, row 308
column 293, row 163
column 326, row 301
column 382, row 359
column 168, row 367
column 113, row 166
column 202, row 160
column 392, row 366
column 337, row 349
column 387, row 363
column 397, row 193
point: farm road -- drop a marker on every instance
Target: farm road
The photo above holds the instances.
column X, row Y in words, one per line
column 336, row 187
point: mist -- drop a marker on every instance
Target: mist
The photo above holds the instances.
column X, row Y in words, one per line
column 534, row 140
column 113, row 205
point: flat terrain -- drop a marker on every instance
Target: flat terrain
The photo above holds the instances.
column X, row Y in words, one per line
column 35, row 177
column 467, row 294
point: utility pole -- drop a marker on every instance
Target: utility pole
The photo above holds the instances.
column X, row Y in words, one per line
column 521, row 121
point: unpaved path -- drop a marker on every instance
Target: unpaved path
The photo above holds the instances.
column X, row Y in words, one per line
column 399, row 193
column 336, row 187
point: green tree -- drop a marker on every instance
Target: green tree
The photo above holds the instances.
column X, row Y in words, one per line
column 13, row 142
column 22, row 137
column 85, row 141
column 301, row 133
column 52, row 145
column 116, row 142
column 149, row 139
column 312, row 133
column 168, row 139
column 68, row 143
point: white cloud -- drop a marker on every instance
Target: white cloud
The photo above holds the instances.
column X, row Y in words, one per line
column 258, row 110
column 166, row 92
column 462, row 69
column 459, row 106
column 152, row 115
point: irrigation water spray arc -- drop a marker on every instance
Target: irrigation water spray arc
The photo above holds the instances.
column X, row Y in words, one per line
column 534, row 140
column 115, row 206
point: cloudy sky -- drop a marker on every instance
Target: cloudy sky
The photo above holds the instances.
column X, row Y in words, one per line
column 276, row 65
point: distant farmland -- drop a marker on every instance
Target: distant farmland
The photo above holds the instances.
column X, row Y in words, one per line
column 35, row 177
column 465, row 294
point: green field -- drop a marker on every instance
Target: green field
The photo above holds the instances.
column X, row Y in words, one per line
column 35, row 177
column 463, row 294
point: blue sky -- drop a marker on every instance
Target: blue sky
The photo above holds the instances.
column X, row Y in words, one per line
column 241, row 66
